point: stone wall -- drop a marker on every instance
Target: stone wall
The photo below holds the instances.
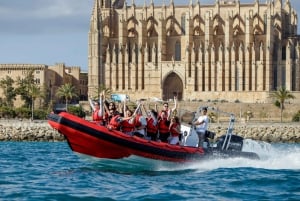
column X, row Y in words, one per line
column 41, row 131
column 268, row 132
column 12, row 130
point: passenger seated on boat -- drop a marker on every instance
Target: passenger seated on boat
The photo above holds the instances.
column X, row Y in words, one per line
column 140, row 123
column 163, row 127
column 111, row 110
column 166, row 108
column 127, row 123
column 152, row 124
column 174, row 129
column 115, row 121
column 98, row 111
column 201, row 126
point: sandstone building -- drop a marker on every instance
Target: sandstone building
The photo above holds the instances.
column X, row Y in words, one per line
column 48, row 78
column 225, row 50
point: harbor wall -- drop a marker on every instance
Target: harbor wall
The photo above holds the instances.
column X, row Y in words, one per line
column 13, row 130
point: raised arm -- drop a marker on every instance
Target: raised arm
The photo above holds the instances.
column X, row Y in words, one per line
column 175, row 104
column 91, row 104
column 101, row 111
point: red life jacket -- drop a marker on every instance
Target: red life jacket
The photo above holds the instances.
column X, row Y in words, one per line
column 162, row 126
column 174, row 131
column 114, row 123
column 126, row 126
column 150, row 127
column 96, row 117
column 168, row 111
column 137, row 122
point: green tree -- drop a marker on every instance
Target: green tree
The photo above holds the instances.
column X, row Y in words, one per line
column 78, row 111
column 9, row 91
column 296, row 117
column 67, row 92
column 35, row 92
column 24, row 85
column 281, row 95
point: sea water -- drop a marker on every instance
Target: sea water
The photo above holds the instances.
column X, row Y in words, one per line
column 51, row 171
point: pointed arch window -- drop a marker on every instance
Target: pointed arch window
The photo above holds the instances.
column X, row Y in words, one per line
column 283, row 53
column 116, row 50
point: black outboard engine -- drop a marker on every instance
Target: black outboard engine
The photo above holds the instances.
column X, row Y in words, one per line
column 235, row 143
column 210, row 135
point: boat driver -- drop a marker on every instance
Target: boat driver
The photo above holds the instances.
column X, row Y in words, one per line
column 201, row 126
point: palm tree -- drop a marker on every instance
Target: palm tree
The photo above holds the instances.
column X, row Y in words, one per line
column 66, row 91
column 281, row 95
column 35, row 92
column 102, row 89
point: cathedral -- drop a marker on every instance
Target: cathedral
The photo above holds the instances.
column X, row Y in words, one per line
column 227, row 50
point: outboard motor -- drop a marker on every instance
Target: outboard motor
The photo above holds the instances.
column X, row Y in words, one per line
column 210, row 135
column 235, row 143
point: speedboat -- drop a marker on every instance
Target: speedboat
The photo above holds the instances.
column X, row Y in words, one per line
column 88, row 138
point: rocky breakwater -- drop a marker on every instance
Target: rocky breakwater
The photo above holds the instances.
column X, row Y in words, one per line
column 15, row 130
column 268, row 132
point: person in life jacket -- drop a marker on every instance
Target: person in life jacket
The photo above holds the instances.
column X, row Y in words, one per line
column 127, row 123
column 115, row 120
column 163, row 127
column 175, row 131
column 140, row 124
column 111, row 110
column 152, row 124
column 166, row 108
column 98, row 111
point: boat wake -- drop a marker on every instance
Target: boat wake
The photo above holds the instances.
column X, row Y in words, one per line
column 272, row 156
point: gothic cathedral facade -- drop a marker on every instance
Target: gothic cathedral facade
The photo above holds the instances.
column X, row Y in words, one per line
column 226, row 50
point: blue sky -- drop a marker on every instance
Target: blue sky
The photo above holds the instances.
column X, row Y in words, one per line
column 54, row 31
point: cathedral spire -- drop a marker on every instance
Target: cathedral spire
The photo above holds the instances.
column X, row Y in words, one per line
column 125, row 4
column 95, row 15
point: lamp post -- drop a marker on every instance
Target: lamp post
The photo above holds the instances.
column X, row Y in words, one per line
column 32, row 103
column 50, row 93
